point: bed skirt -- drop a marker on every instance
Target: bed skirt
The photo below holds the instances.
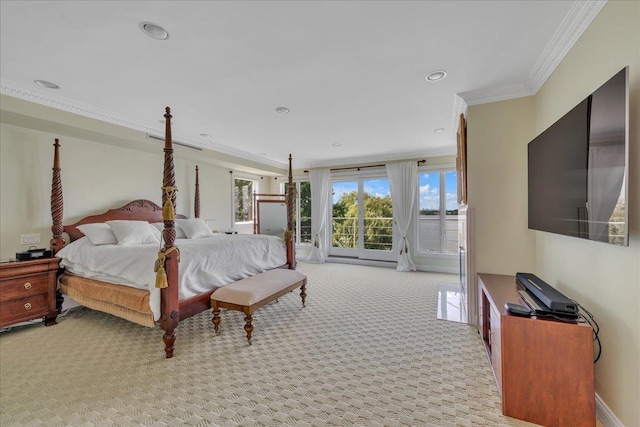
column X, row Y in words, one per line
column 128, row 303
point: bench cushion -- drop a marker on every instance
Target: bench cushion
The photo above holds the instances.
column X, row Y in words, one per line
column 251, row 290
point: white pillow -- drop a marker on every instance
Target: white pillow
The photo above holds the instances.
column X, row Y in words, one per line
column 195, row 228
column 133, row 232
column 179, row 233
column 99, row 233
column 156, row 232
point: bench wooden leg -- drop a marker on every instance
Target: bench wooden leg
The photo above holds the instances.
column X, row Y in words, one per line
column 248, row 327
column 216, row 319
column 303, row 294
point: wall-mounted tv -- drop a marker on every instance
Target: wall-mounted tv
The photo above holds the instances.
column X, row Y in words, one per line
column 578, row 168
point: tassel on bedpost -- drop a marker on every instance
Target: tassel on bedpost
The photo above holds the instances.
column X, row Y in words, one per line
column 168, row 185
column 169, row 305
column 161, row 274
column 168, row 211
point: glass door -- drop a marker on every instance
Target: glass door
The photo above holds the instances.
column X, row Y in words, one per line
column 362, row 219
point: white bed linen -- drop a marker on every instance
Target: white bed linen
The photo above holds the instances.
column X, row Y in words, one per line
column 205, row 264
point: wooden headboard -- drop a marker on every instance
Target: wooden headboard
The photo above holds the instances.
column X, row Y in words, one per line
column 137, row 210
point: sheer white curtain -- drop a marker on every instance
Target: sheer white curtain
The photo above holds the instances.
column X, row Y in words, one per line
column 319, row 179
column 403, row 182
column 604, row 184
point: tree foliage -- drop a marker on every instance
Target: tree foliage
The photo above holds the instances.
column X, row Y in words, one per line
column 243, row 192
column 378, row 225
column 305, row 212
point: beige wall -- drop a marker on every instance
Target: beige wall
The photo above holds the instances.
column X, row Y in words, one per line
column 497, row 136
column 603, row 278
column 95, row 177
column 103, row 166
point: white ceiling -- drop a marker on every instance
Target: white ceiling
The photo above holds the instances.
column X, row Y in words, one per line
column 351, row 72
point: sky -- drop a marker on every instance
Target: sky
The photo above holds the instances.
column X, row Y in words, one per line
column 430, row 193
column 429, row 189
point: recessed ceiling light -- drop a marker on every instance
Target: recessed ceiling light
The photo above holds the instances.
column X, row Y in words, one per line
column 262, row 154
column 46, row 84
column 153, row 30
column 439, row 130
column 336, row 144
column 282, row 110
column 205, row 135
column 435, row 76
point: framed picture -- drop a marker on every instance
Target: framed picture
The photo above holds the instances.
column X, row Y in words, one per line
column 461, row 161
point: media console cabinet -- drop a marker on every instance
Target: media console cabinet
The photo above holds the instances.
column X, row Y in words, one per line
column 543, row 368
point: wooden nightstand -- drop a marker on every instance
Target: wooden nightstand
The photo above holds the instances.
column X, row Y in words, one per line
column 28, row 291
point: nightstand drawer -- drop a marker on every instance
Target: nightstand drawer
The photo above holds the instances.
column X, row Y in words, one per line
column 24, row 309
column 24, row 286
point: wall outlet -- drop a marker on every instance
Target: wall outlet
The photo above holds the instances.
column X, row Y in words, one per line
column 29, row 239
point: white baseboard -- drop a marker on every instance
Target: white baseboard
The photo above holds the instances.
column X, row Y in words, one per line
column 605, row 414
column 357, row 261
column 431, row 269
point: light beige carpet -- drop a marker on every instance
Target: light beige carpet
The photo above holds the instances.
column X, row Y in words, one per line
column 366, row 351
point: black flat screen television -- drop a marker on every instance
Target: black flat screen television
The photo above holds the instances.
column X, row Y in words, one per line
column 578, row 168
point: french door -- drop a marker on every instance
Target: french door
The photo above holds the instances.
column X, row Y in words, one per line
column 362, row 219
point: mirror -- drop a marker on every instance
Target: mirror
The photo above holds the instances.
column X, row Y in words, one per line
column 271, row 217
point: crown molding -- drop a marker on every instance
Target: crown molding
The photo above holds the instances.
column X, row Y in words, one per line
column 484, row 96
column 349, row 161
column 48, row 99
column 577, row 20
column 35, row 95
column 459, row 107
column 580, row 16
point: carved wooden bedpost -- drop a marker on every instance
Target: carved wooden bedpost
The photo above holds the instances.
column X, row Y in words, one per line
column 196, row 199
column 291, row 199
column 57, row 242
column 170, row 316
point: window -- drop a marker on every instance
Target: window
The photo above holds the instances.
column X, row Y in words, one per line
column 362, row 218
column 243, row 189
column 437, row 212
column 302, row 212
column 302, row 216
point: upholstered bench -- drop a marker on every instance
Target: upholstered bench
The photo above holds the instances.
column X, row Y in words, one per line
column 248, row 295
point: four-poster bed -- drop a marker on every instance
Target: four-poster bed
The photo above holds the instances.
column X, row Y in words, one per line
column 180, row 293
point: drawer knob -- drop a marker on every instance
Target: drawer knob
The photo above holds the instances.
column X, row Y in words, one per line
column 27, row 285
column 27, row 306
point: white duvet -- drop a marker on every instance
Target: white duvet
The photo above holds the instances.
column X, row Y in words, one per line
column 205, row 264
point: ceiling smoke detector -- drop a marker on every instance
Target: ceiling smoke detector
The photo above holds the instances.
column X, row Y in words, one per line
column 154, row 31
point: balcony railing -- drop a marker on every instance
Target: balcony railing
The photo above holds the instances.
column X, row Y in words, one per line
column 429, row 234
column 305, row 230
column 379, row 231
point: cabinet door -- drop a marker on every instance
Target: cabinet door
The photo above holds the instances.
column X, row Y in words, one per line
column 496, row 347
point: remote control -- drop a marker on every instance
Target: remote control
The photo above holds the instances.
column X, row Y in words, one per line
column 518, row 310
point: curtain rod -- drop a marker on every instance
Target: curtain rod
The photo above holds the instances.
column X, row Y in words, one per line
column 362, row 167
